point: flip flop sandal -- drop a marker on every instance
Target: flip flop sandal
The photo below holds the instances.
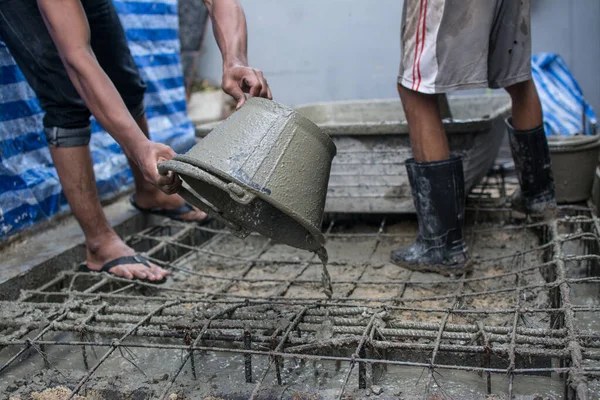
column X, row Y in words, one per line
column 137, row 259
column 174, row 214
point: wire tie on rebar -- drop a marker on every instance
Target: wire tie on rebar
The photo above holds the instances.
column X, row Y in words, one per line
column 510, row 369
column 115, row 343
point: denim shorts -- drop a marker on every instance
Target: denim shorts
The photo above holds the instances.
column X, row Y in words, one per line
column 67, row 118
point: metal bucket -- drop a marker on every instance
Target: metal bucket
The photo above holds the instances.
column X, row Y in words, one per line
column 264, row 169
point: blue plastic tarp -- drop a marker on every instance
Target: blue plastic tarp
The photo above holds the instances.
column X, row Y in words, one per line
column 30, row 191
column 566, row 112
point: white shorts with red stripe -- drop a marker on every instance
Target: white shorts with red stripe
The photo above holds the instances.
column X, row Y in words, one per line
column 463, row 44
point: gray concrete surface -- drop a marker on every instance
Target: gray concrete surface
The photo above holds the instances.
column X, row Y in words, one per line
column 322, row 50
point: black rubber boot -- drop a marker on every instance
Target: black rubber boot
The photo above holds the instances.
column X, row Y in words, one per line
column 438, row 190
column 534, row 171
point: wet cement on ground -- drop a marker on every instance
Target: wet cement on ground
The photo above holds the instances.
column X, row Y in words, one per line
column 140, row 373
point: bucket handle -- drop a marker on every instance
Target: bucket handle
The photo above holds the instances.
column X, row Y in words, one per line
column 193, row 198
column 236, row 192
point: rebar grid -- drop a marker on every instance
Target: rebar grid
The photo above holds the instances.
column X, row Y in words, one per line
column 256, row 298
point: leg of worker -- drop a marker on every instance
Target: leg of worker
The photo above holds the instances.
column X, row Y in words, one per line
column 427, row 137
column 416, row 81
column 74, row 167
column 443, row 49
column 530, row 151
column 112, row 51
column 510, row 68
column 437, row 184
column 526, row 106
column 67, row 128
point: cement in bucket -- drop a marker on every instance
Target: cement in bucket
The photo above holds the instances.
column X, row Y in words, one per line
column 265, row 169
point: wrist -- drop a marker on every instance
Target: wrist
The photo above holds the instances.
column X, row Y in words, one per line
column 135, row 146
column 233, row 62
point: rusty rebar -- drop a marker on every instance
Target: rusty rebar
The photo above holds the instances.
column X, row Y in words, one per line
column 191, row 348
column 512, row 355
column 275, row 353
column 247, row 329
column 586, row 370
column 114, row 347
column 576, row 379
column 356, row 355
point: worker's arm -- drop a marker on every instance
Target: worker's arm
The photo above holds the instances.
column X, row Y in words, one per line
column 67, row 23
column 229, row 27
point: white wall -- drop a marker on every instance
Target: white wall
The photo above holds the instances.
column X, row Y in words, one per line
column 321, row 50
column 571, row 28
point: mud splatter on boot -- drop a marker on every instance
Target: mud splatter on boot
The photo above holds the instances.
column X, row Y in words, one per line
column 438, row 190
column 530, row 152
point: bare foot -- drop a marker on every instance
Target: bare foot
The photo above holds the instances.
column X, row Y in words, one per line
column 110, row 247
column 154, row 198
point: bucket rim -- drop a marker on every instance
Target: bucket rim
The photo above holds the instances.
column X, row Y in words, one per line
column 313, row 231
column 573, row 140
column 560, row 144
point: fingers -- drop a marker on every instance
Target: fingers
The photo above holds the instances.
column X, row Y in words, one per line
column 240, row 80
column 265, row 91
column 254, row 83
column 233, row 89
column 240, row 102
column 169, row 183
column 166, row 153
column 260, row 88
column 165, row 180
column 148, row 156
column 152, row 175
column 269, row 94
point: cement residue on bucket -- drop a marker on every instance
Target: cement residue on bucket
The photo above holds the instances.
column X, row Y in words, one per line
column 265, row 169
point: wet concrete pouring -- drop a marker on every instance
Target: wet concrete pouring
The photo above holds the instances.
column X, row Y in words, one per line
column 249, row 318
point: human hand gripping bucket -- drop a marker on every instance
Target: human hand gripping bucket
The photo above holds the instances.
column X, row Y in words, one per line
column 264, row 169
